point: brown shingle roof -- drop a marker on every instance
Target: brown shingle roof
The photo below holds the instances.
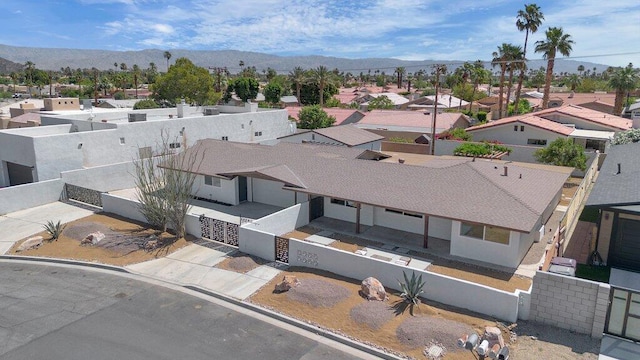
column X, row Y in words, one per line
column 349, row 135
column 473, row 191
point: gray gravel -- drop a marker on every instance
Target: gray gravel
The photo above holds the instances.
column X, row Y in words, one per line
column 423, row 330
column 318, row 293
column 372, row 313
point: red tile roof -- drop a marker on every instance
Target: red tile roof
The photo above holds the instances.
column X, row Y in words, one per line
column 528, row 119
column 409, row 119
column 589, row 115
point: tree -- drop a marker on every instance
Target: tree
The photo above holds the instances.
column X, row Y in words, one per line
column 28, row 74
column 516, row 61
column 400, row 71
column 184, row 80
column 562, row 152
column 145, row 104
column 528, row 20
column 573, row 81
column 246, row 88
column 503, row 57
column 321, row 76
column 381, row 102
column 623, row 80
column 163, row 188
column 273, row 92
column 313, row 117
column 556, row 41
column 298, row 77
column 167, row 55
column 310, row 93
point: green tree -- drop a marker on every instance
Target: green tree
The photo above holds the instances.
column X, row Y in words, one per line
column 310, row 93
column 573, row 81
column 556, row 42
column 298, row 77
column 626, row 137
column 273, row 92
column 562, row 152
column 313, row 117
column 523, row 108
column 184, row 80
column 503, row 58
column 246, row 88
column 400, row 72
column 145, row 104
column 623, row 80
column 528, row 20
column 380, row 102
column 321, row 76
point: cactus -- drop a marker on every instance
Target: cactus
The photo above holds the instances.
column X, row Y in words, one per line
column 411, row 288
column 54, row 229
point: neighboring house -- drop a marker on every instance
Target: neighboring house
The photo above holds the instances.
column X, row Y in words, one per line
column 30, row 119
column 344, row 135
column 592, row 129
column 598, row 105
column 488, row 211
column 616, row 194
column 444, row 102
column 80, row 139
column 411, row 121
column 116, row 104
column 633, row 112
column 61, row 104
column 600, row 101
column 397, row 100
column 343, row 116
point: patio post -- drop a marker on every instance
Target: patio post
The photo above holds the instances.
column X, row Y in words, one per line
column 425, row 243
column 357, row 218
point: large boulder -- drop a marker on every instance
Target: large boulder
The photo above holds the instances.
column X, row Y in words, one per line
column 30, row 243
column 494, row 336
column 288, row 282
column 93, row 238
column 372, row 289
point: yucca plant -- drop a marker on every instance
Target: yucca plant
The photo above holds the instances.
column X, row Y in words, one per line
column 54, row 229
column 411, row 288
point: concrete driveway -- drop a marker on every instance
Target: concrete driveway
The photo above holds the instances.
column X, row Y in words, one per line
column 21, row 224
column 68, row 313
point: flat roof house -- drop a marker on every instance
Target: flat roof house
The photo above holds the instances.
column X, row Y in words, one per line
column 488, row 211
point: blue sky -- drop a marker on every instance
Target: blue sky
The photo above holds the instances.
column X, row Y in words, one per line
column 404, row 29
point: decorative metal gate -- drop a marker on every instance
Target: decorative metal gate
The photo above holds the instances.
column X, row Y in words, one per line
column 218, row 230
column 84, row 195
column 282, row 249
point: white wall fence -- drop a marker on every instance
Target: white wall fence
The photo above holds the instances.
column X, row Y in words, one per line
column 25, row 196
column 122, row 206
column 569, row 303
column 103, row 178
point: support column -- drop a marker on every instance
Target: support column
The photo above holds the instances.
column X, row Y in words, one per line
column 358, row 218
column 425, row 243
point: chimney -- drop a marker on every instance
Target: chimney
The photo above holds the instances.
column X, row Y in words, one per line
column 619, row 169
column 505, row 171
column 181, row 108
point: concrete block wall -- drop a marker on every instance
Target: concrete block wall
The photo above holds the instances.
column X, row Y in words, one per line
column 569, row 303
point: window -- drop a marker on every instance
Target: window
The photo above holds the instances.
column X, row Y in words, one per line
column 405, row 213
column 175, row 145
column 211, row 181
column 258, row 133
column 623, row 318
column 487, row 233
column 343, row 202
column 521, row 128
column 225, row 138
column 515, row 127
column 536, row 142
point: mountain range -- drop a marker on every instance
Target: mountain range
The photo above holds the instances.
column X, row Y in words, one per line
column 54, row 59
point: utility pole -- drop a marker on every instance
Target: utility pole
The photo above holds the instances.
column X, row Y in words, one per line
column 438, row 68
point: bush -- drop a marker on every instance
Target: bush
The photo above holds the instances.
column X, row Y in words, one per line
column 401, row 140
column 626, row 137
column 562, row 152
column 481, row 116
column 145, row 104
column 455, row 134
column 411, row 289
column 313, row 117
column 54, row 229
column 120, row 95
column 479, row 149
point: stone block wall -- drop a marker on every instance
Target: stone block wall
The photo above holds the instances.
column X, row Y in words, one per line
column 569, row 303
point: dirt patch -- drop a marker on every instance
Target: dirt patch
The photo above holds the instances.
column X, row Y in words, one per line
column 420, row 331
column 351, row 243
column 569, row 189
column 123, row 243
column 318, row 293
column 301, row 233
column 372, row 313
column 241, row 263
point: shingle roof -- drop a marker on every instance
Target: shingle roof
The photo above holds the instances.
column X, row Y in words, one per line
column 407, row 120
column 612, row 188
column 473, row 191
column 528, row 119
column 349, row 135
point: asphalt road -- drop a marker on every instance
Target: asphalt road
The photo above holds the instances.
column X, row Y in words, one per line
column 51, row 312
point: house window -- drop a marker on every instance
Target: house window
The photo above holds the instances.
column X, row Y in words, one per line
column 343, row 202
column 211, row 181
column 521, row 128
column 536, row 142
column 623, row 318
column 258, row 133
column 515, row 127
column 487, row 233
column 225, row 138
column 405, row 213
column 175, row 145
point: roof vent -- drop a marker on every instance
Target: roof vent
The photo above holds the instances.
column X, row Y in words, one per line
column 137, row 117
column 506, row 171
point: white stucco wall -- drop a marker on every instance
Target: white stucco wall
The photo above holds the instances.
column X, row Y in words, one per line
column 506, row 135
column 283, row 221
column 487, row 251
column 122, row 206
column 256, row 242
column 16, row 149
column 398, row 221
column 25, row 196
column 103, row 178
column 269, row 192
column 227, row 192
column 340, row 212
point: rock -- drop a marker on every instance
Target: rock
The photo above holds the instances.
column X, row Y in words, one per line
column 93, row 238
column 288, row 282
column 494, row 336
column 372, row 289
column 151, row 244
column 30, row 243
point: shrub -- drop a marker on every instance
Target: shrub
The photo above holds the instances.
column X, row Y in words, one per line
column 411, row 288
column 481, row 116
column 479, row 149
column 120, row 95
column 54, row 229
column 626, row 137
column 401, row 140
column 455, row 134
column 145, row 104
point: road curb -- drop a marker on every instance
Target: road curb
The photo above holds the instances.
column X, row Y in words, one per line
column 245, row 305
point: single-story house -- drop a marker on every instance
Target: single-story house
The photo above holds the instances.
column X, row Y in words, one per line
column 445, row 101
column 343, row 135
column 616, row 194
column 343, row 116
column 411, row 121
column 488, row 211
column 397, row 100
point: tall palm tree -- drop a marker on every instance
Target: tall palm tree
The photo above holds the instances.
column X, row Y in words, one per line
column 478, row 75
column 167, row 55
column 623, row 80
column 298, row 77
column 115, row 64
column 573, row 81
column 516, row 62
column 321, row 76
column 503, row 58
column 400, row 71
column 528, row 20
column 28, row 72
column 556, row 41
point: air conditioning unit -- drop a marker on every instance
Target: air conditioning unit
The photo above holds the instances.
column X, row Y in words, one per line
column 137, row 117
column 211, row 111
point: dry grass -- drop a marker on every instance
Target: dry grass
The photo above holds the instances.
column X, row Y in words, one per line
column 121, row 247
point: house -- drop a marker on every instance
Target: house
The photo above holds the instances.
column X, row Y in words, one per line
column 397, row 100
column 633, row 112
column 29, row 119
column 488, row 211
column 600, row 101
column 616, row 194
column 411, row 121
column 344, row 135
column 343, row 116
column 117, row 104
column 590, row 128
column 445, row 101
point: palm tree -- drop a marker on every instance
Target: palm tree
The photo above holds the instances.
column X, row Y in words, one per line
column 573, row 81
column 580, row 69
column 167, row 55
column 623, row 80
column 556, row 41
column 298, row 76
column 28, row 71
column 478, row 75
column 502, row 58
column 516, row 62
column 136, row 73
column 400, row 71
column 321, row 76
column 528, row 20
column 14, row 77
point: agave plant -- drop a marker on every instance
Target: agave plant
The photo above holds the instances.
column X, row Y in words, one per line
column 54, row 229
column 411, row 288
